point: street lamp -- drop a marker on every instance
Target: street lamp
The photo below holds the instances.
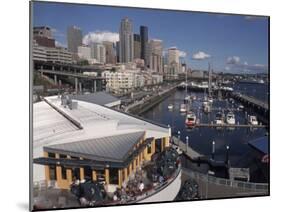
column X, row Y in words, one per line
column 213, row 149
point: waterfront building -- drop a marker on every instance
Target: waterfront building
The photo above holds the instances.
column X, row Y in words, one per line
column 155, row 51
column 84, row 140
column 84, row 52
column 58, row 55
column 137, row 46
column 98, row 52
column 51, row 54
column 110, row 57
column 144, row 43
column 74, row 38
column 43, row 36
column 38, row 52
column 126, row 39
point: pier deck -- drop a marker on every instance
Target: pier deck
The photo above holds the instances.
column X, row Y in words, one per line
column 250, row 100
column 230, row 125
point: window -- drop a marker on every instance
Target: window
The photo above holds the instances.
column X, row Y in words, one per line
column 53, row 172
column 63, row 169
column 149, row 149
column 113, row 176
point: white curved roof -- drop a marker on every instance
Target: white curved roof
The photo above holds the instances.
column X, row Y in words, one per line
column 51, row 127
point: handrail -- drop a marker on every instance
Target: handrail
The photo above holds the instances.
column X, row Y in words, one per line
column 226, row 182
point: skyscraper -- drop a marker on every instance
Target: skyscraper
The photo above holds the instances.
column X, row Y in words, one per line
column 43, row 36
column 137, row 46
column 173, row 61
column 74, row 38
column 109, row 52
column 98, row 52
column 126, row 50
column 155, row 50
column 144, row 41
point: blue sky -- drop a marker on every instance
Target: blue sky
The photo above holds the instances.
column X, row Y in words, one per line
column 233, row 43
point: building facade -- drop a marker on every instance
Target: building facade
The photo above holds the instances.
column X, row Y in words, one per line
column 58, row 55
column 43, row 36
column 110, row 56
column 137, row 46
column 98, row 52
column 126, row 39
column 74, row 38
column 155, row 51
column 84, row 52
column 144, row 43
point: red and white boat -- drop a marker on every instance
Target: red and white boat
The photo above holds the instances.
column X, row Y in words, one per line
column 190, row 120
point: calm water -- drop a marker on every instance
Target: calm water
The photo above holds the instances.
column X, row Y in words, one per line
column 240, row 154
column 259, row 91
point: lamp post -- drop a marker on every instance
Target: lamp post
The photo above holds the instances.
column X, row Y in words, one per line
column 227, row 154
column 213, row 149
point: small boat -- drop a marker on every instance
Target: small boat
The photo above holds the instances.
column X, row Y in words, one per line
column 252, row 120
column 210, row 99
column 230, row 118
column 241, row 107
column 186, row 99
column 170, row 106
column 207, row 108
column 193, row 97
column 183, row 108
column 190, row 120
column 219, row 118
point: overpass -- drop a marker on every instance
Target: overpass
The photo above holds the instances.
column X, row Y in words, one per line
column 71, row 71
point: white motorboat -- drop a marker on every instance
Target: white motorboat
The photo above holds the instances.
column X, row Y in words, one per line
column 219, row 119
column 170, row 106
column 240, row 107
column 190, row 120
column 252, row 120
column 206, row 107
column 183, row 108
column 230, row 118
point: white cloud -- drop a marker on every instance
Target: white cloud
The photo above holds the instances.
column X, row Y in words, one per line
column 59, row 44
column 100, row 36
column 200, row 56
column 233, row 60
column 182, row 53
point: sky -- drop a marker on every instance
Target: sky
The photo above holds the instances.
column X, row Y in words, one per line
column 231, row 43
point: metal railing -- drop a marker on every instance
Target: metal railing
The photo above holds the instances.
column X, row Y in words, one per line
column 262, row 187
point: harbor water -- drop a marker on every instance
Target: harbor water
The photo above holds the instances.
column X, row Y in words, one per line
column 201, row 138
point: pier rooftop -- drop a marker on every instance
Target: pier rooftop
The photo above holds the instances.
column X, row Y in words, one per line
column 54, row 123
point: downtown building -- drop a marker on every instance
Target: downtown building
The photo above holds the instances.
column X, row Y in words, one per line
column 144, row 44
column 98, row 52
column 137, row 46
column 173, row 63
column 50, row 54
column 43, row 36
column 74, row 38
column 126, row 41
column 110, row 56
column 155, row 51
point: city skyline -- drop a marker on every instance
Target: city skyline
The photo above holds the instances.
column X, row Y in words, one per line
column 233, row 43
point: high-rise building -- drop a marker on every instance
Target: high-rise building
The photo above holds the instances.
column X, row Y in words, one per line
column 74, row 38
column 173, row 55
column 43, row 36
column 109, row 52
column 126, row 50
column 98, row 52
column 173, row 62
column 144, row 42
column 137, row 46
column 84, row 52
column 155, row 50
column 118, row 51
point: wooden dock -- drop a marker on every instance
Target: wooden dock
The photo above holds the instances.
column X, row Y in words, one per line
column 229, row 125
column 196, row 156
